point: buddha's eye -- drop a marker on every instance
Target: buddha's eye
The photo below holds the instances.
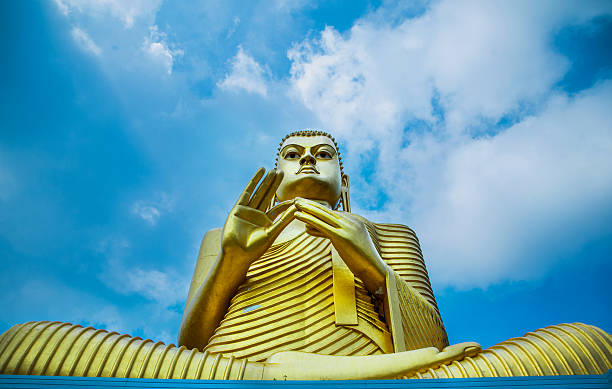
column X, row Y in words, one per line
column 292, row 155
column 323, row 155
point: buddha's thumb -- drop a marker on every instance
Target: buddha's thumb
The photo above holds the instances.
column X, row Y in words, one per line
column 465, row 349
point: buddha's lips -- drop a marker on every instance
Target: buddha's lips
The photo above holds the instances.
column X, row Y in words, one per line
column 308, row 169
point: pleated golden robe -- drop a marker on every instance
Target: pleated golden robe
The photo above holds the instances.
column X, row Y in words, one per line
column 288, row 303
column 291, row 301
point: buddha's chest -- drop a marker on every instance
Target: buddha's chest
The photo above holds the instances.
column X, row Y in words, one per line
column 287, row 303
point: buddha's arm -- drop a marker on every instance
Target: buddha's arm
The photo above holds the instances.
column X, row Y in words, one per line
column 411, row 308
column 212, row 287
column 247, row 233
column 209, row 250
column 294, row 365
column 415, row 323
column 349, row 235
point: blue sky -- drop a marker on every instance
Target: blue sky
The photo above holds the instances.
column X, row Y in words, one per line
column 128, row 129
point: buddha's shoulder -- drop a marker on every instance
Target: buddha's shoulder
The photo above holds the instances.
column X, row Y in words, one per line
column 388, row 229
column 211, row 242
column 213, row 233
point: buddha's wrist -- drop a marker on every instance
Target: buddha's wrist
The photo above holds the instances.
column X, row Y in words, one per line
column 231, row 269
column 372, row 270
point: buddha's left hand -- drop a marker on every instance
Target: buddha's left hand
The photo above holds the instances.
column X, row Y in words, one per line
column 295, row 365
column 349, row 236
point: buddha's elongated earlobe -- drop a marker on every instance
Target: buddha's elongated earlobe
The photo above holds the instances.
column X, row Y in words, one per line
column 344, row 194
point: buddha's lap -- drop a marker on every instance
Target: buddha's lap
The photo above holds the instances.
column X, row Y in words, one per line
column 564, row 349
column 55, row 348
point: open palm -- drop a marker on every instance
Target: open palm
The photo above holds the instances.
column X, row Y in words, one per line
column 248, row 231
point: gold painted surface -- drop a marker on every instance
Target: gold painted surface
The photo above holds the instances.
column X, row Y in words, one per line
column 287, row 304
column 55, row 348
column 564, row 349
column 415, row 320
column 270, row 293
column 399, row 247
column 304, row 289
column 345, row 303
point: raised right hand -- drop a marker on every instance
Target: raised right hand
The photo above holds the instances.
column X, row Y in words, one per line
column 248, row 231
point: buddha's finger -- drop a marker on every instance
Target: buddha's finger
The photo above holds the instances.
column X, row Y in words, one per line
column 320, row 206
column 324, row 215
column 262, row 189
column 248, row 190
column 275, row 229
column 320, row 225
column 278, row 209
column 310, row 230
column 271, row 191
column 461, row 350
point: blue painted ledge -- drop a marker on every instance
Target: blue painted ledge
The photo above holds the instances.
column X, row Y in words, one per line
column 563, row 382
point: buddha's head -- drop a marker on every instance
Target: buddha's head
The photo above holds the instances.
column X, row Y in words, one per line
column 312, row 168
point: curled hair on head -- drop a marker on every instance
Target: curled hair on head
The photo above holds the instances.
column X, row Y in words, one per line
column 309, row 132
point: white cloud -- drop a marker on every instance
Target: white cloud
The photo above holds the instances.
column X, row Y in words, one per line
column 479, row 59
column 148, row 213
column 85, row 42
column 487, row 207
column 62, row 7
column 232, row 30
column 512, row 205
column 126, row 11
column 161, row 290
column 290, row 6
column 157, row 48
column 246, row 74
column 47, row 298
column 43, row 297
column 151, row 210
column 165, row 288
column 161, row 52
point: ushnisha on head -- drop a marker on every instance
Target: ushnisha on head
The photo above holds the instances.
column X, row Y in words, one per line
column 312, row 167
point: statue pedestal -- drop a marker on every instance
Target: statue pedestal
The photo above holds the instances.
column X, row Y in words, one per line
column 575, row 381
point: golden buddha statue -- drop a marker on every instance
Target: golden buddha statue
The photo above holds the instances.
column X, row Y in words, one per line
column 295, row 286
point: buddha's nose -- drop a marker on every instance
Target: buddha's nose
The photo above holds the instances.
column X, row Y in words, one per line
column 308, row 159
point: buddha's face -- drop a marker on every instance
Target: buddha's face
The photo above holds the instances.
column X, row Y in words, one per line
column 311, row 169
